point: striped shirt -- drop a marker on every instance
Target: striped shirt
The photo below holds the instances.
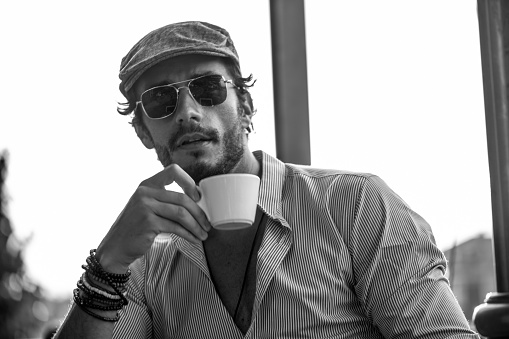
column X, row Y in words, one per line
column 342, row 256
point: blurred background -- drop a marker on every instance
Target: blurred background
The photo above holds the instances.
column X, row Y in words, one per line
column 395, row 89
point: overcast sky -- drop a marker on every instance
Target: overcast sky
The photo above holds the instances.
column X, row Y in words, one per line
column 395, row 89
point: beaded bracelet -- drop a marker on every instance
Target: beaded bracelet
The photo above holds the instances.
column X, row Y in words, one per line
column 97, row 289
column 89, row 295
column 92, row 296
column 95, row 270
column 109, row 277
column 101, row 277
column 92, row 300
column 97, row 297
column 93, row 277
column 114, row 276
column 85, row 300
column 78, row 301
column 91, row 304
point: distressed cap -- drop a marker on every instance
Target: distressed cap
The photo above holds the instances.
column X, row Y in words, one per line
column 190, row 37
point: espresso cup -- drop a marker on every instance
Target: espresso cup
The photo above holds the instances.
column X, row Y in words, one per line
column 229, row 200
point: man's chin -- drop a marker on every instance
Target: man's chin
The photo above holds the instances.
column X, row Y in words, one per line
column 199, row 170
column 198, row 164
column 189, row 158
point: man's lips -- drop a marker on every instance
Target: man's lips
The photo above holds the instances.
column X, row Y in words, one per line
column 192, row 138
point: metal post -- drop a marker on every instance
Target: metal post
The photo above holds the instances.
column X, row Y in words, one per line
column 290, row 81
column 491, row 318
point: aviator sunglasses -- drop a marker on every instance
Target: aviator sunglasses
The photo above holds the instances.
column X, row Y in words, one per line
column 207, row 90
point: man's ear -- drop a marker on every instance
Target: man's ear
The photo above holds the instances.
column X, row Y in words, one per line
column 144, row 135
column 246, row 115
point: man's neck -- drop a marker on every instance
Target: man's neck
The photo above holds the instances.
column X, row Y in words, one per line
column 248, row 164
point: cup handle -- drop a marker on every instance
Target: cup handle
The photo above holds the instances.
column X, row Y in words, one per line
column 201, row 203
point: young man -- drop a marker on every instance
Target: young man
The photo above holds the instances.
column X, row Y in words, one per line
column 331, row 254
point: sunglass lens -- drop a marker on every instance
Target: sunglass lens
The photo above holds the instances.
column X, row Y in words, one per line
column 160, row 101
column 209, row 90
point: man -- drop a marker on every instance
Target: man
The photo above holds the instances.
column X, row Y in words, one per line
column 331, row 254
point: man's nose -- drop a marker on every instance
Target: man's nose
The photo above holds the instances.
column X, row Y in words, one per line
column 187, row 109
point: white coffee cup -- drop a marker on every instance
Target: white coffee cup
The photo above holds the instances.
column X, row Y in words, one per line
column 229, row 200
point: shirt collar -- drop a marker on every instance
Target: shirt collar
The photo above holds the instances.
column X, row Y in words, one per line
column 271, row 186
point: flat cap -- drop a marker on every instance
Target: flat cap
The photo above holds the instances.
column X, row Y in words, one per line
column 190, row 37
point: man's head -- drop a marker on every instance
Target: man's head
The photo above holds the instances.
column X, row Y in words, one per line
column 205, row 136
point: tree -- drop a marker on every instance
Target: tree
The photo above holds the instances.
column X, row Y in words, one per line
column 19, row 298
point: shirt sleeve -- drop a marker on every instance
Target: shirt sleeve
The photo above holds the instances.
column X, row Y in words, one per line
column 399, row 271
column 135, row 319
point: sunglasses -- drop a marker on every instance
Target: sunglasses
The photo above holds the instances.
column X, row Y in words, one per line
column 161, row 101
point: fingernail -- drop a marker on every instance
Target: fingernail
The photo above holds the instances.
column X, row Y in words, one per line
column 196, row 196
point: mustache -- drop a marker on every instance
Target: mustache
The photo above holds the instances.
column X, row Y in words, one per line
column 211, row 133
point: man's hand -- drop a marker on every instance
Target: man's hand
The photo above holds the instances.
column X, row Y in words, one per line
column 150, row 211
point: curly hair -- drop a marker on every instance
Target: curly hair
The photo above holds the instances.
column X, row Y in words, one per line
column 242, row 88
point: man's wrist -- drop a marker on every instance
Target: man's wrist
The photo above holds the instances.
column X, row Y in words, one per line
column 109, row 264
column 100, row 293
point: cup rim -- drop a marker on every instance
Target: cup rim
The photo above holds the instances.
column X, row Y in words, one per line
column 228, row 175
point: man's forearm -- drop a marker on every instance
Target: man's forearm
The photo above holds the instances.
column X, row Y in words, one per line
column 78, row 324
column 98, row 298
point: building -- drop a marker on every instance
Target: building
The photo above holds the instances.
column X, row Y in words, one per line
column 471, row 272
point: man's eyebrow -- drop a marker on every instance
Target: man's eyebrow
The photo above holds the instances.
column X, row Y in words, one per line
column 160, row 83
column 193, row 76
column 199, row 74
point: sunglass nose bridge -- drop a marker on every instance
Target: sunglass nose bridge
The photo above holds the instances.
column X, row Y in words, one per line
column 183, row 98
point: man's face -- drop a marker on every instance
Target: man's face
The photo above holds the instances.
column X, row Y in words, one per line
column 204, row 141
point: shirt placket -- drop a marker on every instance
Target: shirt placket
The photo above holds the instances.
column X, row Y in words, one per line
column 273, row 250
column 196, row 254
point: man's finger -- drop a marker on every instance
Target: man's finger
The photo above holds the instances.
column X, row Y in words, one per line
column 176, row 198
column 170, row 174
column 180, row 215
column 168, row 226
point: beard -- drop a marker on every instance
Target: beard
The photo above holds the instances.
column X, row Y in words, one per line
column 229, row 155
